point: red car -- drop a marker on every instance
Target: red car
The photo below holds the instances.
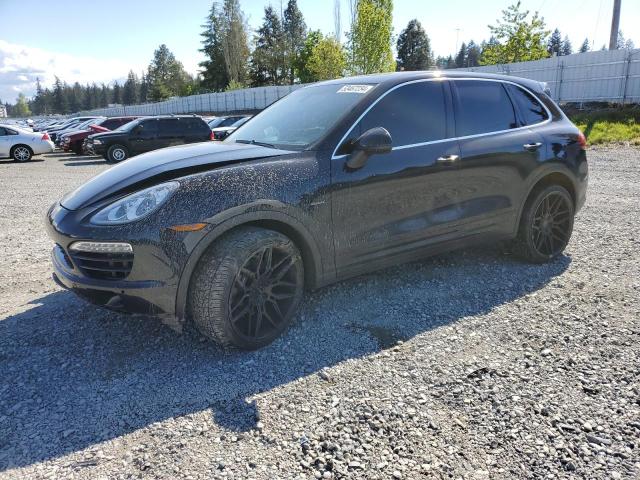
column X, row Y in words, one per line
column 74, row 141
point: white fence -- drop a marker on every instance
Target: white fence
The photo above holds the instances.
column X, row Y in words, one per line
column 605, row 76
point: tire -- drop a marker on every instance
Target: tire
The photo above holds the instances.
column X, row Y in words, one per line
column 232, row 294
column 546, row 224
column 117, row 153
column 21, row 153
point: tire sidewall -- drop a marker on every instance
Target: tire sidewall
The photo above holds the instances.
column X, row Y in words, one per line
column 526, row 229
column 13, row 151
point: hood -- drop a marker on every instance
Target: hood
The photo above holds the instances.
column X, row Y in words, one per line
column 109, row 134
column 163, row 165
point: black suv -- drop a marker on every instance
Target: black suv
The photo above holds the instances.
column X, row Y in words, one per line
column 334, row 180
column 149, row 133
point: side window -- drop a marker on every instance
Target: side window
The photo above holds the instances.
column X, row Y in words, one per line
column 530, row 109
column 169, row 126
column 413, row 113
column 150, row 127
column 110, row 124
column 3, row 132
column 482, row 107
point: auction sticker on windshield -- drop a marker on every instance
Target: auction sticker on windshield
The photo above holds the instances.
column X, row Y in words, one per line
column 355, row 88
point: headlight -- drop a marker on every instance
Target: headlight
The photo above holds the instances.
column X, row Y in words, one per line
column 135, row 206
column 96, row 141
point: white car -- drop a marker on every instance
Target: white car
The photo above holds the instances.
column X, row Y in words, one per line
column 22, row 145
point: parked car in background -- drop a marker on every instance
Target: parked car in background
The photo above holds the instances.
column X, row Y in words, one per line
column 76, row 128
column 334, row 180
column 74, row 141
column 149, row 133
column 70, row 123
column 220, row 133
column 224, row 121
column 22, row 145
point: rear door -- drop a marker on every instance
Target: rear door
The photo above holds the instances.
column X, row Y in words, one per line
column 171, row 132
column 496, row 151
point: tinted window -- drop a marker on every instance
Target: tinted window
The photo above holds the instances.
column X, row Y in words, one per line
column 195, row 125
column 482, row 107
column 170, row 126
column 530, row 109
column 150, row 127
column 110, row 124
column 414, row 113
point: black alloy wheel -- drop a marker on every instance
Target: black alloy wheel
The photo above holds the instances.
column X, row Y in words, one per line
column 546, row 225
column 247, row 288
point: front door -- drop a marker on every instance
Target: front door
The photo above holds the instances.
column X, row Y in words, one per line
column 406, row 199
column 145, row 136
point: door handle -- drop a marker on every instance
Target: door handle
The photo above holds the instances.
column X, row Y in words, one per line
column 532, row 146
column 447, row 159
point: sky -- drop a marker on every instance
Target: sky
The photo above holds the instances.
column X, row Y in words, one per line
column 102, row 41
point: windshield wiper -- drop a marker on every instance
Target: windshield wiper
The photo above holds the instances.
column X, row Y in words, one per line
column 255, row 142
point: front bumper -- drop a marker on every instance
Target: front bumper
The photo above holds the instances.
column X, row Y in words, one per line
column 149, row 288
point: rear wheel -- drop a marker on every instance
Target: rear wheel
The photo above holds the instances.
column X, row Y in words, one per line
column 117, row 153
column 247, row 287
column 546, row 225
column 21, row 153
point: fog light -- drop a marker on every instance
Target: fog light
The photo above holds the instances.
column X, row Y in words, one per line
column 101, row 247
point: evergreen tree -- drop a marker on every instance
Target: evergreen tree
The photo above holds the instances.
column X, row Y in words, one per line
column 370, row 37
column 554, row 45
column 234, row 41
column 451, row 63
column 624, row 43
column 130, row 89
column 585, row 46
column 59, row 99
column 144, row 88
column 295, row 31
column 116, row 93
column 166, row 75
column 268, row 65
column 76, row 98
column 103, row 97
column 414, row 50
column 461, row 57
column 214, row 70
column 566, row 48
column 473, row 54
column 519, row 38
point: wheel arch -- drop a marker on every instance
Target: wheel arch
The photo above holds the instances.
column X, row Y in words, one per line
column 271, row 220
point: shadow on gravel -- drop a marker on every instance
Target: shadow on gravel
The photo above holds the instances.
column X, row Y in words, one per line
column 78, row 163
column 74, row 375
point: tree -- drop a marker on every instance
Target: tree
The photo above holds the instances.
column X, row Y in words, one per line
column 59, row 98
column 585, row 46
column 414, row 49
column 214, row 74
column 116, row 94
column 234, row 41
column 104, row 96
column 268, row 65
column 554, row 45
column 370, row 37
column 473, row 54
column 566, row 48
column 518, row 38
column 302, row 63
column 623, row 43
column 461, row 57
column 144, row 88
column 21, row 109
column 295, row 31
column 76, row 98
column 130, row 89
column 166, row 75
column 327, row 61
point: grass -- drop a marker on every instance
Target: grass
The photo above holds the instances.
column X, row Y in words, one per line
column 608, row 125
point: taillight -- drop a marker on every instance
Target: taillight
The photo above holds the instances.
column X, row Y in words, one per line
column 212, row 136
column 582, row 140
column 45, row 136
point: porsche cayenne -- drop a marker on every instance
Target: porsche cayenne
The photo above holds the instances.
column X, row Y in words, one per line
column 336, row 179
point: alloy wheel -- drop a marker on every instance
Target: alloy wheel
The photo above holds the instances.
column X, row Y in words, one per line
column 21, row 154
column 551, row 228
column 118, row 154
column 264, row 292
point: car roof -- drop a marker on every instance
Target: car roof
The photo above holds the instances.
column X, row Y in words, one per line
column 395, row 78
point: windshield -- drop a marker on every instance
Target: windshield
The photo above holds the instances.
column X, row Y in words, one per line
column 302, row 117
column 127, row 127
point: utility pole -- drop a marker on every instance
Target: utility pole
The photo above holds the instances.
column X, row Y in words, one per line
column 615, row 25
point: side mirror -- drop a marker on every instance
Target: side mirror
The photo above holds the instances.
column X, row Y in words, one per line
column 374, row 141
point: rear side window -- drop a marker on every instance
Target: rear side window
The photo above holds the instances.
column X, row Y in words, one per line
column 413, row 113
column 482, row 107
column 195, row 125
column 110, row 124
column 530, row 109
column 170, row 126
column 150, row 127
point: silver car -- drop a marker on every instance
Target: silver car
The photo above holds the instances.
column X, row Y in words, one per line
column 22, row 145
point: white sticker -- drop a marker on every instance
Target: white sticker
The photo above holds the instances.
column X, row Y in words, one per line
column 355, row 88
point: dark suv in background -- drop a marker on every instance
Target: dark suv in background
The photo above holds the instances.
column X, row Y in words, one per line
column 150, row 133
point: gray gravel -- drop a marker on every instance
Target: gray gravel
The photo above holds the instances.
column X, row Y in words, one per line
column 469, row 365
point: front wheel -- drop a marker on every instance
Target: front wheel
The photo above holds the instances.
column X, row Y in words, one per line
column 546, row 224
column 247, row 287
column 117, row 153
column 21, row 153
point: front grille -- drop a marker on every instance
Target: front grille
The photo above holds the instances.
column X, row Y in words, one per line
column 103, row 266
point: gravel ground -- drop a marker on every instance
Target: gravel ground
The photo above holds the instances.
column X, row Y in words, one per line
column 470, row 365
